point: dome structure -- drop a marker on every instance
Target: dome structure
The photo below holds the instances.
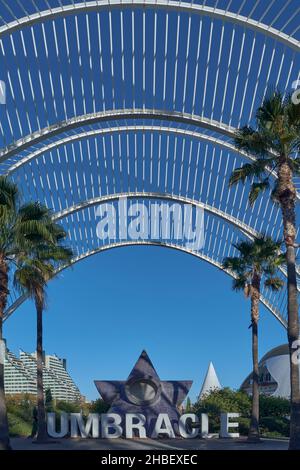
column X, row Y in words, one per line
column 274, row 373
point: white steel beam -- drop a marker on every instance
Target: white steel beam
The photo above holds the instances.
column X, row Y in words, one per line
column 168, row 5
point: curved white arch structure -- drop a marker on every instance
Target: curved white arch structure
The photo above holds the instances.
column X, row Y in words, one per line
column 245, row 229
column 160, row 196
column 265, row 302
column 114, row 115
column 171, row 5
column 141, row 98
column 120, row 129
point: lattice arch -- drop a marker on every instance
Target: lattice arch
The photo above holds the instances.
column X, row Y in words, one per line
column 140, row 98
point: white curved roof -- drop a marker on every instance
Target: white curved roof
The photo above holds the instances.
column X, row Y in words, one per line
column 279, row 368
column 277, row 362
column 141, row 98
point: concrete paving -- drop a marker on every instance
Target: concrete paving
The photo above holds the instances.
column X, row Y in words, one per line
column 150, row 444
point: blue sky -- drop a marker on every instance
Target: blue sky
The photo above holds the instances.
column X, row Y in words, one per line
column 106, row 309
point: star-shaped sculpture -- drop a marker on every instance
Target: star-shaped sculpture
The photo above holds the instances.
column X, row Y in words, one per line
column 143, row 392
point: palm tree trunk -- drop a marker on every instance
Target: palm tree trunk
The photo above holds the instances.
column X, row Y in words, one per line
column 4, row 432
column 41, row 414
column 287, row 198
column 253, row 434
column 293, row 335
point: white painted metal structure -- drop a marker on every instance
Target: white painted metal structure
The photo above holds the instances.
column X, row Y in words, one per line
column 210, row 383
column 141, row 98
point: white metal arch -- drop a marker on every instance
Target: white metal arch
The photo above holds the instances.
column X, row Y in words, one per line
column 170, row 5
column 244, row 228
column 72, row 138
column 201, row 256
column 114, row 115
column 36, row 123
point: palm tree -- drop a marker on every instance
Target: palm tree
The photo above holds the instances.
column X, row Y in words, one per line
column 32, row 276
column 257, row 259
column 274, row 143
column 21, row 226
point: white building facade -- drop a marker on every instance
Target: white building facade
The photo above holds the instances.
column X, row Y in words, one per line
column 211, row 382
column 17, row 378
column 20, row 376
column 274, row 374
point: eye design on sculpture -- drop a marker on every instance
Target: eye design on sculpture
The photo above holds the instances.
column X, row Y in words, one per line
column 142, row 391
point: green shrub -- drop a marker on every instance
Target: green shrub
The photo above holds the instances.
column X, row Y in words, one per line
column 273, row 411
column 20, row 408
column 281, row 426
column 48, row 401
column 222, row 401
column 67, row 407
column 18, row 427
column 225, row 400
column 274, row 406
column 21, row 405
column 98, row 406
column 244, row 425
column 273, row 435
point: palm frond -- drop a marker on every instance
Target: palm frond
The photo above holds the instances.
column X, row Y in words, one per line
column 295, row 163
column 257, row 189
column 234, row 264
column 259, row 258
column 239, row 283
column 245, row 247
column 33, row 231
column 8, row 200
column 251, row 141
column 293, row 112
column 274, row 283
column 272, row 110
column 34, row 211
column 55, row 253
column 256, row 169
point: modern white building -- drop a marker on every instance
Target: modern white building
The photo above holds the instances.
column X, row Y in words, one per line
column 20, row 376
column 274, row 374
column 211, row 382
column 17, row 378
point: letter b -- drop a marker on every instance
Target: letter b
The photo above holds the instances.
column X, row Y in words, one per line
column 111, row 421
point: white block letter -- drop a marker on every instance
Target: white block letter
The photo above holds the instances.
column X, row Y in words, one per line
column 182, row 426
column 139, row 424
column 163, row 419
column 111, row 421
column 64, row 425
column 204, row 425
column 226, row 424
column 92, row 424
column 106, row 227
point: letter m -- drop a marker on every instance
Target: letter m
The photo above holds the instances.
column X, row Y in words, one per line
column 90, row 428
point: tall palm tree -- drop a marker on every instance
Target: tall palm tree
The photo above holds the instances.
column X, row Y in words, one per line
column 21, row 226
column 32, row 276
column 257, row 259
column 274, row 142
